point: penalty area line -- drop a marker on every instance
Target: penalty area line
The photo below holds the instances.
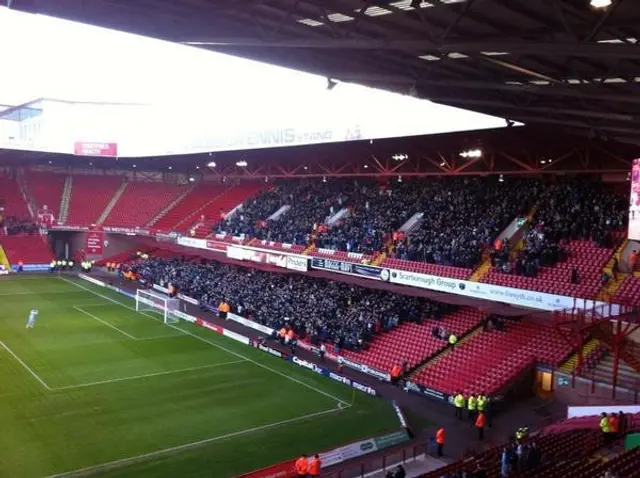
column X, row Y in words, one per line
column 187, row 446
column 25, row 366
column 104, row 322
column 202, row 339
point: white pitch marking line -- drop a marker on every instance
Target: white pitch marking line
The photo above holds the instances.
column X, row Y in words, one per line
column 26, row 367
column 135, row 377
column 124, row 461
column 80, row 309
column 299, row 382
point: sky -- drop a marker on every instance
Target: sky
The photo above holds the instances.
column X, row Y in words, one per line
column 45, row 57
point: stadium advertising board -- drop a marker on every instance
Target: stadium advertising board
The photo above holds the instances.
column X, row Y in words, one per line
column 93, row 242
column 296, row 263
column 386, row 377
column 634, row 204
column 254, row 255
column 95, row 149
column 188, row 299
column 343, row 267
column 429, row 392
column 31, row 268
column 250, row 323
column 286, row 469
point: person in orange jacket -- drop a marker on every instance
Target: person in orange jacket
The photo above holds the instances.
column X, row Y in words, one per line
column 480, row 423
column 315, row 464
column 440, row 438
column 396, row 373
column 302, row 466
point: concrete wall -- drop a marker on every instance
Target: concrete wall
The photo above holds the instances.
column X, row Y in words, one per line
column 585, row 393
column 116, row 243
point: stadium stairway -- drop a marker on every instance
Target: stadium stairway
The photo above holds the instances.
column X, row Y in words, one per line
column 481, row 271
column 170, row 206
column 629, row 352
column 572, row 362
column 111, row 204
column 182, row 216
column 609, row 290
column 444, row 352
column 3, row 259
column 14, row 201
column 46, row 190
column 65, row 200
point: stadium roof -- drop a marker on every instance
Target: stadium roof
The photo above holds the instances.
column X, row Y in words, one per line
column 556, row 62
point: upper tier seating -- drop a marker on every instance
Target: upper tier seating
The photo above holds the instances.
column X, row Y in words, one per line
column 424, row 268
column 489, row 360
column 577, row 223
column 89, row 197
column 414, row 342
column 186, row 212
column 312, row 203
column 28, row 249
column 141, row 202
column 10, row 195
column 254, row 210
column 223, row 204
column 585, row 256
column 46, row 189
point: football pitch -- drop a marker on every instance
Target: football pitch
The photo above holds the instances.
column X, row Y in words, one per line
column 98, row 389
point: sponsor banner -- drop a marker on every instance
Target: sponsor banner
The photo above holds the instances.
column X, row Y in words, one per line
column 429, row 392
column 392, row 439
column 316, row 350
column 192, row 242
column 210, row 326
column 249, row 323
column 94, row 241
column 334, row 376
column 285, row 469
column 188, row 299
column 92, row 280
column 400, row 415
column 365, row 369
column 237, row 337
column 216, row 246
column 348, row 452
column 31, row 267
column 255, row 255
column 351, row 268
column 95, row 149
column 182, row 315
column 4, row 272
column 160, row 288
column 478, row 290
column 296, row 263
column 271, row 351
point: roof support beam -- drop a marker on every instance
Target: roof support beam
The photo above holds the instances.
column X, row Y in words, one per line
column 605, row 50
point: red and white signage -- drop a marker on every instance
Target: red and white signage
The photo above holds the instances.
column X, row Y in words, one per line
column 94, row 242
column 95, row 149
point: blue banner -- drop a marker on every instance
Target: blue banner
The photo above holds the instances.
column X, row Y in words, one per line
column 32, row 267
column 428, row 392
column 342, row 267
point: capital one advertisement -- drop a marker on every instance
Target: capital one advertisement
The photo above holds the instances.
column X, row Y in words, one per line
column 94, row 243
column 634, row 205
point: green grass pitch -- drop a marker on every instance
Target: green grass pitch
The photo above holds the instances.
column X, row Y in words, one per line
column 96, row 386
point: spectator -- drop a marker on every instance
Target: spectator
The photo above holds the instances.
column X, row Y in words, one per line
column 574, row 276
column 15, row 226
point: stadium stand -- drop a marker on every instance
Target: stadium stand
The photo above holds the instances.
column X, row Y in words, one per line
column 491, row 359
column 629, row 291
column 29, row 249
column 11, row 196
column 90, row 195
column 141, row 202
column 222, row 205
column 46, row 190
column 186, row 212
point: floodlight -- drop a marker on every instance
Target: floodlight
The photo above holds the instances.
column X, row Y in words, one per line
column 242, row 164
column 211, row 164
column 471, row 153
column 600, row 3
column 192, row 179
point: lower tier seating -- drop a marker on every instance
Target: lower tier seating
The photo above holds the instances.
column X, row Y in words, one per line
column 490, row 360
column 28, row 249
column 11, row 198
column 414, row 342
column 628, row 292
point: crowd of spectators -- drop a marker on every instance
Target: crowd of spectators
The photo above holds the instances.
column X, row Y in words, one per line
column 464, row 217
column 246, row 220
column 377, row 211
column 566, row 209
column 311, row 203
column 345, row 315
column 15, row 226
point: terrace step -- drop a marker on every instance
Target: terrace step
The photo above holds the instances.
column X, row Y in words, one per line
column 116, row 197
column 572, row 362
column 609, row 290
column 481, row 271
column 170, row 206
column 65, row 200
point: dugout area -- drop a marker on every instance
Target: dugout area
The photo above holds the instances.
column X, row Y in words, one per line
column 96, row 386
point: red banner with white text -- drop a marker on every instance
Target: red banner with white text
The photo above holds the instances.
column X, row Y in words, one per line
column 94, row 242
column 95, row 149
column 285, row 469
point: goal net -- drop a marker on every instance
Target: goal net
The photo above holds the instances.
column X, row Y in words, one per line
column 151, row 301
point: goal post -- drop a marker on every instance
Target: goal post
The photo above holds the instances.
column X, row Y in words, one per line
column 151, row 301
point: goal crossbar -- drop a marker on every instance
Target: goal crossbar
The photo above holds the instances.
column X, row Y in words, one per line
column 151, row 301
